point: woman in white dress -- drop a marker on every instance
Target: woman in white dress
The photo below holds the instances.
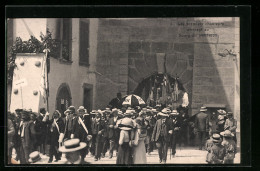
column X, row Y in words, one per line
column 139, row 152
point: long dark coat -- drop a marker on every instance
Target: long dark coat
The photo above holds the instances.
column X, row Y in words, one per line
column 54, row 136
column 157, row 130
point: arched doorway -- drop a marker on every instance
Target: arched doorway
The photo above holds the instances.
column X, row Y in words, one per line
column 63, row 98
column 154, row 84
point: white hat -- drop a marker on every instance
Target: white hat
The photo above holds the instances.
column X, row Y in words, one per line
column 203, row 109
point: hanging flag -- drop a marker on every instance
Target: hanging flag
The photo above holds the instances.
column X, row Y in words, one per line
column 44, row 83
column 175, row 90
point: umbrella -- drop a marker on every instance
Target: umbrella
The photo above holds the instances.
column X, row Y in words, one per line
column 133, row 100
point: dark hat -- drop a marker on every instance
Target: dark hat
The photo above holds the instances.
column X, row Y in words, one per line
column 72, row 145
column 229, row 113
column 34, row 157
column 18, row 110
column 25, row 114
column 216, row 138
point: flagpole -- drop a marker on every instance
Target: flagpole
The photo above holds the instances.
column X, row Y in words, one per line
column 46, row 92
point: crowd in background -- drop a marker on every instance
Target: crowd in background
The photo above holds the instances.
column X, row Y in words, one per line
column 128, row 133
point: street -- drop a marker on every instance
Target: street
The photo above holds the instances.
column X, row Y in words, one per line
column 185, row 155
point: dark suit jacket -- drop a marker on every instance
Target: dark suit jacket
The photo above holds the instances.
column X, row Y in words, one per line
column 112, row 132
column 157, row 130
column 78, row 129
column 54, row 136
column 29, row 133
column 202, row 122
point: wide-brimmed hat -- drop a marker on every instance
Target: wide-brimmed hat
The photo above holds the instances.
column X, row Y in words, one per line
column 174, row 113
column 72, row 109
column 227, row 133
column 34, row 157
column 81, row 108
column 166, row 111
column 93, row 112
column 163, row 114
column 128, row 112
column 25, row 114
column 216, row 138
column 67, row 112
column 203, row 109
column 19, row 110
column 126, row 124
column 154, row 111
column 221, row 112
column 72, row 145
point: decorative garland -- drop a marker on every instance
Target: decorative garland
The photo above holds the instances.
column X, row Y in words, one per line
column 33, row 45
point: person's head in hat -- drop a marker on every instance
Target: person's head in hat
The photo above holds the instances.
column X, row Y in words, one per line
column 221, row 119
column 216, row 139
column 227, row 134
column 203, row 109
column 81, row 111
column 33, row 116
column 72, row 110
column 42, row 111
column 25, row 116
column 174, row 114
column 72, row 149
column 221, row 112
column 229, row 115
column 18, row 112
column 56, row 115
column 114, row 112
column 163, row 116
column 34, row 157
column 138, row 109
column 128, row 113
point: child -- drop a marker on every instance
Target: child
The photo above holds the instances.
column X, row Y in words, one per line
column 230, row 147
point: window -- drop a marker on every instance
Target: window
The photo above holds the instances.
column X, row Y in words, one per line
column 84, row 43
column 66, row 39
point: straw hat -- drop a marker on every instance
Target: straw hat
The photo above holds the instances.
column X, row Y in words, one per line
column 34, row 157
column 174, row 113
column 203, row 109
column 227, row 133
column 222, row 112
column 128, row 112
column 72, row 145
column 163, row 114
column 216, row 138
column 81, row 108
column 166, row 111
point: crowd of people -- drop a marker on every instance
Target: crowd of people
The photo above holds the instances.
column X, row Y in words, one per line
column 129, row 134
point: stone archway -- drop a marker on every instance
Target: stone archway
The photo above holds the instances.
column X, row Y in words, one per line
column 143, row 89
column 63, row 98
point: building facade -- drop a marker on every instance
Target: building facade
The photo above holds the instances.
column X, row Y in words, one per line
column 106, row 56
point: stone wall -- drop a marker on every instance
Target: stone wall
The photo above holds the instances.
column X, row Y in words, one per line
column 191, row 46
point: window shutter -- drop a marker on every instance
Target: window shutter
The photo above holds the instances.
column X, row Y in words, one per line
column 84, row 43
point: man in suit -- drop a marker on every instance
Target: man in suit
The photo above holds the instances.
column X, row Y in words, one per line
column 41, row 138
column 160, row 135
column 26, row 134
column 69, row 121
column 80, row 129
column 175, row 126
column 11, row 133
column 113, row 132
column 116, row 102
column 202, row 126
column 150, row 122
column 56, row 135
column 98, row 128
